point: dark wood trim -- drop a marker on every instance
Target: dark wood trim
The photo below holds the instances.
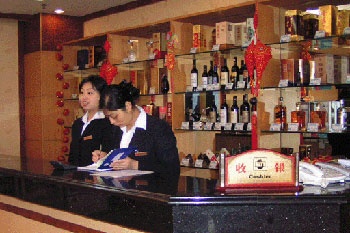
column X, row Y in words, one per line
column 35, row 216
column 20, row 17
column 21, row 87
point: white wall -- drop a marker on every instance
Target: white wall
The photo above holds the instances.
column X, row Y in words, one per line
column 9, row 97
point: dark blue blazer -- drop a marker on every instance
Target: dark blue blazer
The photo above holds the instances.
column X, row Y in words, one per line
column 98, row 132
column 160, row 144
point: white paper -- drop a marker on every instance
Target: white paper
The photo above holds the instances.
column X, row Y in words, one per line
column 122, row 173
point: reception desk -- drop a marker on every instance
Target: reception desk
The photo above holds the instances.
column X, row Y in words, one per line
column 157, row 203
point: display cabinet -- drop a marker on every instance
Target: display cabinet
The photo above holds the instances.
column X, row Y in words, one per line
column 323, row 90
column 146, row 71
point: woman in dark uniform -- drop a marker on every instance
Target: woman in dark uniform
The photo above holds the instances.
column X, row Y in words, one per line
column 93, row 130
column 151, row 136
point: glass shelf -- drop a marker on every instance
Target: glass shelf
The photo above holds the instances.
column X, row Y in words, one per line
column 233, row 132
column 223, row 91
column 303, row 132
column 321, row 86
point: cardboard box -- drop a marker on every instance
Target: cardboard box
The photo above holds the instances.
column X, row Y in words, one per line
column 250, row 31
column 324, row 67
column 169, row 112
column 159, row 41
column 240, row 31
column 294, row 22
column 341, row 69
column 327, row 19
column 332, row 113
column 225, row 33
column 199, row 38
column 289, row 70
column 310, row 25
column 343, row 20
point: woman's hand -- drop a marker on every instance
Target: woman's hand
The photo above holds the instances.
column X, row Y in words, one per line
column 97, row 155
column 124, row 164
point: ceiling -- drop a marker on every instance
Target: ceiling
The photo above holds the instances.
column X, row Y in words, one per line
column 71, row 7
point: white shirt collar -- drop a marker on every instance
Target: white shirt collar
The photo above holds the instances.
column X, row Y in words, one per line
column 98, row 115
column 140, row 121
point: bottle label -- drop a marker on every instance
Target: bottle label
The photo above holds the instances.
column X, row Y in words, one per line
column 245, row 116
column 194, row 79
column 224, row 78
column 234, row 117
column 210, row 80
column 204, row 81
column 223, row 115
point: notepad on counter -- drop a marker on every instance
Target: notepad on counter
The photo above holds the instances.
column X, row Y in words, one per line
column 104, row 163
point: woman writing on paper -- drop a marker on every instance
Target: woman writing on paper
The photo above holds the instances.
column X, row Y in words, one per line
column 92, row 131
column 152, row 137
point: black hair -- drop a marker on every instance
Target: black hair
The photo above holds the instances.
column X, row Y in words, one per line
column 97, row 82
column 114, row 96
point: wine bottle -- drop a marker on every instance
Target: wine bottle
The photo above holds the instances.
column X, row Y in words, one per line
column 280, row 111
column 245, row 110
column 223, row 110
column 234, row 116
column 204, row 78
column 213, row 112
column 215, row 75
column 224, row 75
column 165, row 84
column 245, row 75
column 234, row 74
column 194, row 76
column 240, row 71
column 210, row 73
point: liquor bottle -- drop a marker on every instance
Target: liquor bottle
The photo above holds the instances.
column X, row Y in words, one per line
column 245, row 75
column 165, row 84
column 342, row 114
column 223, row 110
column 234, row 74
column 245, row 110
column 234, row 116
column 194, row 76
column 318, row 116
column 298, row 116
column 280, row 112
column 215, row 75
column 213, row 112
column 204, row 78
column 224, row 75
column 210, row 73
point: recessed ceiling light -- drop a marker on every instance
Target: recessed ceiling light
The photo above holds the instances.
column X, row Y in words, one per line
column 59, row 11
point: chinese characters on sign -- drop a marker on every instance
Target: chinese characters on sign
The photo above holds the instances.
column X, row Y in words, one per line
column 260, row 168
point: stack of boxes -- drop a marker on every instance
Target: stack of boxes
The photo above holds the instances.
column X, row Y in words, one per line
column 331, row 69
column 225, row 34
column 237, row 34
